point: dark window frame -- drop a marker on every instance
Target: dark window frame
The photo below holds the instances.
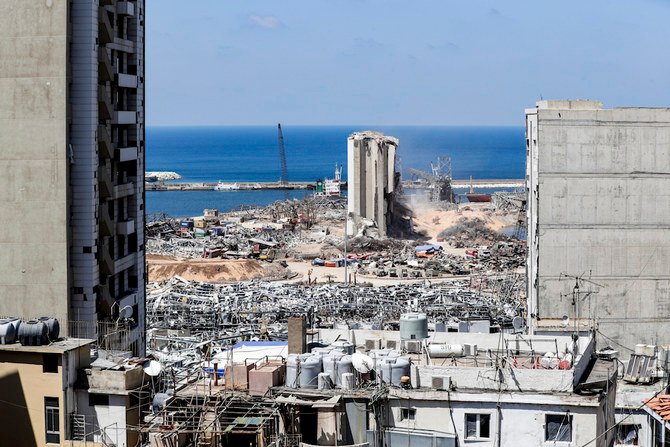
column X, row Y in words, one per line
column 558, row 427
column 51, row 420
column 50, row 362
column 482, row 425
column 407, row 414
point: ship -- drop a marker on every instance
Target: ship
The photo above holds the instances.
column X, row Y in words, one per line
column 221, row 186
column 474, row 197
column 330, row 187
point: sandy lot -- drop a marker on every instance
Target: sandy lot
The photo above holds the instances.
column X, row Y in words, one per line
column 211, row 270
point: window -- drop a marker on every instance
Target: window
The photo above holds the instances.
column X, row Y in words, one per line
column 628, row 434
column 98, row 399
column 477, row 426
column 50, row 363
column 558, row 428
column 52, row 420
column 407, row 414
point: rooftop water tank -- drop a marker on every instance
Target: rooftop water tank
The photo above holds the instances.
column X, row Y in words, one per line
column 7, row 332
column 324, row 381
column 442, row 350
column 53, row 327
column 309, row 372
column 33, row 333
column 345, row 346
column 413, row 326
column 293, row 369
column 393, row 369
column 330, row 364
column 344, row 367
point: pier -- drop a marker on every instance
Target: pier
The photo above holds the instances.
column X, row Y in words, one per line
column 255, row 186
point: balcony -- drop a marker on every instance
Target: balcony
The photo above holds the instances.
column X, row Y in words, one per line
column 106, row 2
column 125, row 117
column 104, row 104
column 126, row 154
column 125, row 262
column 123, row 190
column 105, row 72
column 105, row 29
column 106, row 225
column 121, row 44
column 126, row 227
column 105, row 181
column 105, row 146
column 126, row 80
column 125, row 8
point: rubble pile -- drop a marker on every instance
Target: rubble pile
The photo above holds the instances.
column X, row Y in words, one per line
column 218, row 310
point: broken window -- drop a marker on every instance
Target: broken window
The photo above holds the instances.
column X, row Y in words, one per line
column 628, row 434
column 477, row 426
column 558, row 427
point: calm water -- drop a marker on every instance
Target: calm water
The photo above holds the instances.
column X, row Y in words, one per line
column 250, row 153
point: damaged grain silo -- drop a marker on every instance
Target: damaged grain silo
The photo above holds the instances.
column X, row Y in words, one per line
column 372, row 180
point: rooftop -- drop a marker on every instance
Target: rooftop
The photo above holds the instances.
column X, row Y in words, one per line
column 58, row 347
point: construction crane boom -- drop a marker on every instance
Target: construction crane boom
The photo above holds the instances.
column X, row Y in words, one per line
column 282, row 158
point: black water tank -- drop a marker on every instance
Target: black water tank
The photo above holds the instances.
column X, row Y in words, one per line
column 33, row 333
column 53, row 327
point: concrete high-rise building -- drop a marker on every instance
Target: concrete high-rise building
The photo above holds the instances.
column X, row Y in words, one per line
column 371, row 179
column 72, row 163
column 599, row 210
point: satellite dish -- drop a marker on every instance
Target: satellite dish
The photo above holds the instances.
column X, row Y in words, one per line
column 152, row 368
column 518, row 323
column 362, row 363
column 566, row 321
column 126, row 312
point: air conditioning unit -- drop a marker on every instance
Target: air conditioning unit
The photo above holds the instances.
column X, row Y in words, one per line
column 414, row 346
column 391, row 344
column 373, row 343
column 441, row 382
column 469, row 349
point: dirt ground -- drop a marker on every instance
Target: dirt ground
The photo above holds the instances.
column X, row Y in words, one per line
column 211, row 270
column 431, row 222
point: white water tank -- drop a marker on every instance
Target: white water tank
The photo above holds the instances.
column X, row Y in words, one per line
column 392, row 369
column 413, row 326
column 443, row 350
column 7, row 332
column 309, row 372
column 345, row 346
column 330, row 364
column 293, row 369
column 348, row 381
column 344, row 366
column 324, row 381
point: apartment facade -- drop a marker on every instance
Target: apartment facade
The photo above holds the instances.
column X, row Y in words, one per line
column 599, row 218
column 72, row 163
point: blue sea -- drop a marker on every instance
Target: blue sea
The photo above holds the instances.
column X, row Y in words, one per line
column 250, row 153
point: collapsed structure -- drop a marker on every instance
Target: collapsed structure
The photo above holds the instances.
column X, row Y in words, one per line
column 372, row 180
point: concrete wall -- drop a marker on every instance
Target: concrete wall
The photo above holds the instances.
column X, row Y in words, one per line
column 517, row 423
column 599, row 206
column 33, row 158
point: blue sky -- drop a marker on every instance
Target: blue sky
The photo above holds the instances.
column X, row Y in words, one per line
column 420, row 62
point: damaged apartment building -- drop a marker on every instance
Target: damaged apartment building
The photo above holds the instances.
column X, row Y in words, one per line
column 372, row 181
column 599, row 218
column 72, row 132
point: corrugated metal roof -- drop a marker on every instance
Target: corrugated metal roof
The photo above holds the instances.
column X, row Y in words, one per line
column 660, row 405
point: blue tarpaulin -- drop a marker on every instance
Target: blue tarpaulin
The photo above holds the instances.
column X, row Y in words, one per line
column 427, row 248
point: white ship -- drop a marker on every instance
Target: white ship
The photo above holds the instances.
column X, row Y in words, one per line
column 221, row 186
